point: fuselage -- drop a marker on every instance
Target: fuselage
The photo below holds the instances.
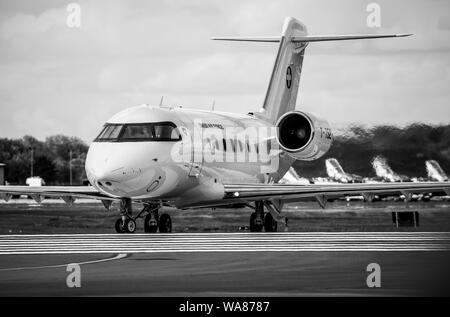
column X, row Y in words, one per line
column 182, row 156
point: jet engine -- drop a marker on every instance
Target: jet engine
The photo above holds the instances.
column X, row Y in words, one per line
column 303, row 136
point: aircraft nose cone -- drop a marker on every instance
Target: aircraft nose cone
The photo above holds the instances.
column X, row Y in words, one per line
column 99, row 166
column 99, row 175
column 121, row 169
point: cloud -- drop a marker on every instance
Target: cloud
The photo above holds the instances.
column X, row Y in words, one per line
column 444, row 23
column 30, row 25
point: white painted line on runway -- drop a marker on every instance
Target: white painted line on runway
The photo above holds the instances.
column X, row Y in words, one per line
column 224, row 242
column 232, row 251
column 70, row 235
column 117, row 257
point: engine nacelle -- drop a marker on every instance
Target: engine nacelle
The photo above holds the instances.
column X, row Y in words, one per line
column 304, row 136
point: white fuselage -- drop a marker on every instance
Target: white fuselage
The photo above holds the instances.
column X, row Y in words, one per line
column 184, row 171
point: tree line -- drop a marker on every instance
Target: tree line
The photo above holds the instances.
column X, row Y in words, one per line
column 406, row 150
column 50, row 159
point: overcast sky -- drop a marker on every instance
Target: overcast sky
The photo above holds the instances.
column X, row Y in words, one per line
column 56, row 79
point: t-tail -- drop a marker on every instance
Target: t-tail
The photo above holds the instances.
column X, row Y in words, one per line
column 435, row 171
column 282, row 92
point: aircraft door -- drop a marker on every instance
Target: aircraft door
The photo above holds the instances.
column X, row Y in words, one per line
column 192, row 144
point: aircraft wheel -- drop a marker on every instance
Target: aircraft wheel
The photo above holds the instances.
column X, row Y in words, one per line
column 270, row 225
column 165, row 224
column 119, row 226
column 130, row 226
column 256, row 224
column 150, row 224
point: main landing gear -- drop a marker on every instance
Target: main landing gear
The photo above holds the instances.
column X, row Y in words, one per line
column 260, row 220
column 152, row 221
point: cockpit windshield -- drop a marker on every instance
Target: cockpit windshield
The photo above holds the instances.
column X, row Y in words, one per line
column 136, row 132
column 142, row 131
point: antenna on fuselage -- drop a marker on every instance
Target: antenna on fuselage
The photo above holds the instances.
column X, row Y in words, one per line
column 213, row 105
column 161, row 101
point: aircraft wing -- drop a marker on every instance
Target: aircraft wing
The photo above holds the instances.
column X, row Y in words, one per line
column 292, row 193
column 67, row 193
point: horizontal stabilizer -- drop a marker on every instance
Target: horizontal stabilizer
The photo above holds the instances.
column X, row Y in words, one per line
column 268, row 39
column 310, row 38
column 325, row 38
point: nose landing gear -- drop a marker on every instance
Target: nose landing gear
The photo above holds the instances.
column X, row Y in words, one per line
column 129, row 226
column 125, row 224
column 152, row 221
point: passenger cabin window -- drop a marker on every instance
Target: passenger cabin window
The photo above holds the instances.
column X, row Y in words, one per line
column 241, row 147
column 139, row 132
column 233, row 145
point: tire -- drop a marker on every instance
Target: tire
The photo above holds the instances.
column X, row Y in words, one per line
column 255, row 227
column 148, row 226
column 165, row 223
column 119, row 227
column 270, row 225
column 130, row 226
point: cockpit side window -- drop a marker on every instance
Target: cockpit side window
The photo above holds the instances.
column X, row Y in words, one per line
column 139, row 132
column 115, row 132
column 109, row 132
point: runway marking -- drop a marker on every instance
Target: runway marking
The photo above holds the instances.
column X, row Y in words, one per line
column 224, row 242
column 117, row 257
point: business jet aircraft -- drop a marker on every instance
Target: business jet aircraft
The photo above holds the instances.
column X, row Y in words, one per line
column 136, row 156
column 435, row 171
column 292, row 177
column 336, row 172
column 385, row 173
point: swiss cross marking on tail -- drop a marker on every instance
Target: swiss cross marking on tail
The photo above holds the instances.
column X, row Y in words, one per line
column 288, row 77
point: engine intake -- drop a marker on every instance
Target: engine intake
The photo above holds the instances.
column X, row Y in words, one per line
column 304, row 136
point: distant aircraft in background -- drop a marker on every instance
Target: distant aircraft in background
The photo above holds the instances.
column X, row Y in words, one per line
column 337, row 173
column 385, row 173
column 292, row 177
column 435, row 171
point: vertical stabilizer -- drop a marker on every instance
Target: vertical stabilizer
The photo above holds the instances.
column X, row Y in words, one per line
column 435, row 172
column 383, row 170
column 281, row 94
column 334, row 169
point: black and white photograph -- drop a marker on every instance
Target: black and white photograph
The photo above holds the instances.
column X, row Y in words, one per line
column 218, row 156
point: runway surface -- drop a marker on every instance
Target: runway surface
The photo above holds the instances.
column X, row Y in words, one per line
column 224, row 242
column 233, row 264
